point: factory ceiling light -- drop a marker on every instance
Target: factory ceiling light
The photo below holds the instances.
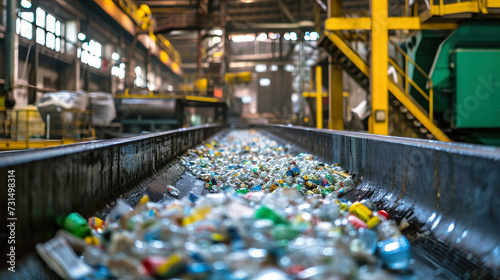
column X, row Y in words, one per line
column 307, row 37
column 216, row 39
column 260, row 68
column 261, row 37
column 273, row 36
column 216, row 32
column 314, row 36
column 242, row 38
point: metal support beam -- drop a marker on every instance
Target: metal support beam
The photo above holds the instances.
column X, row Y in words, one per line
column 335, row 79
column 336, row 98
column 287, row 12
column 301, row 80
column 198, row 54
column 10, row 48
column 393, row 23
column 321, row 4
column 319, row 98
column 379, row 120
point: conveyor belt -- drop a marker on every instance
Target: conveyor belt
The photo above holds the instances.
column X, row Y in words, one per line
column 377, row 162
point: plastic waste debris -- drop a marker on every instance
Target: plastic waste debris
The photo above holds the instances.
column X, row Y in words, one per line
column 62, row 259
column 95, row 223
column 75, row 224
column 250, row 162
column 192, row 197
column 172, row 191
column 265, row 215
column 394, row 248
column 243, row 236
column 121, row 208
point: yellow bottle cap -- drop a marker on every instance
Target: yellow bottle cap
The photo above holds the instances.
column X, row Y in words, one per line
column 144, row 199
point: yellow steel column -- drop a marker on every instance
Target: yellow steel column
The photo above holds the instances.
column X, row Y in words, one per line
column 379, row 63
column 335, row 81
column 319, row 98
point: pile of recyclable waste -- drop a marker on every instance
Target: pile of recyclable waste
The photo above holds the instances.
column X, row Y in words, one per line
column 249, row 162
column 294, row 227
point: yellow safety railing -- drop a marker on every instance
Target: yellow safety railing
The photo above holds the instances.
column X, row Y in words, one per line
column 402, row 95
column 25, row 128
column 458, row 6
column 429, row 96
column 196, row 87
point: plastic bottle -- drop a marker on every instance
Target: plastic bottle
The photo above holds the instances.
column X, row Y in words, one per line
column 394, row 248
column 121, row 208
column 75, row 224
column 266, row 213
column 364, row 214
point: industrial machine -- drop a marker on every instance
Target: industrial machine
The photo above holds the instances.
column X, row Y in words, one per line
column 139, row 112
column 443, row 83
column 465, row 79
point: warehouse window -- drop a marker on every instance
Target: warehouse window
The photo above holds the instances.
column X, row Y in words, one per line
column 48, row 28
column 151, row 81
column 24, row 25
column 26, row 4
column 140, row 79
column 118, row 71
column 90, row 53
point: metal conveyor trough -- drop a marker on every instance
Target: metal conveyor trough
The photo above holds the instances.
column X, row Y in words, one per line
column 449, row 193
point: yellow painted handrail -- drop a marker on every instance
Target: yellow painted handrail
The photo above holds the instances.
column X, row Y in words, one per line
column 13, row 127
column 407, row 79
column 395, row 89
column 457, row 7
column 430, row 96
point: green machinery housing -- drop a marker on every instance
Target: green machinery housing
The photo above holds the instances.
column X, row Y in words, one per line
column 464, row 66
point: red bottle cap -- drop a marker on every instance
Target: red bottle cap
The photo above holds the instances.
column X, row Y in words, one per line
column 384, row 214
